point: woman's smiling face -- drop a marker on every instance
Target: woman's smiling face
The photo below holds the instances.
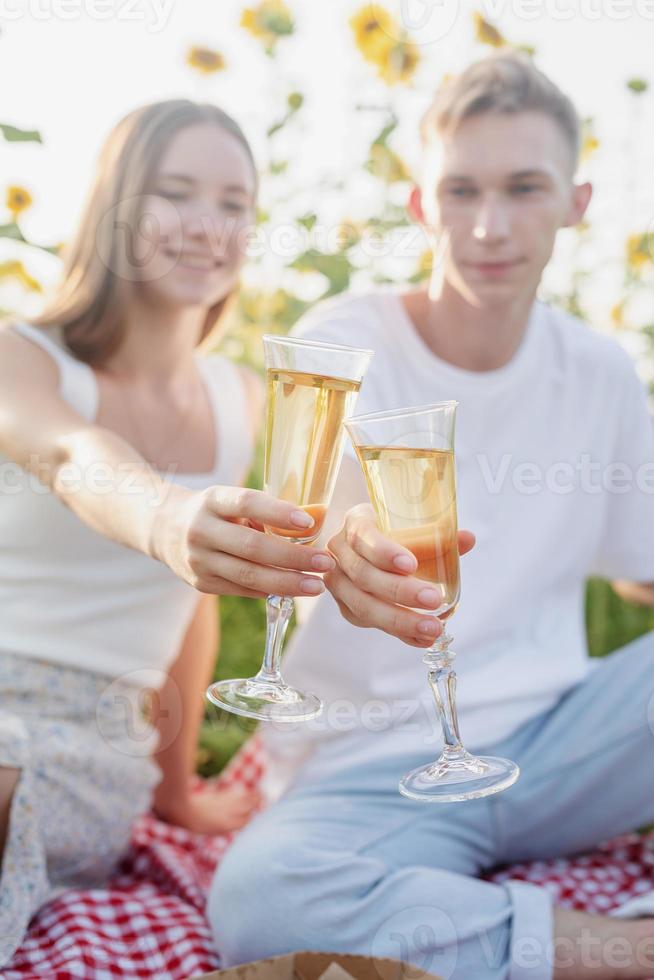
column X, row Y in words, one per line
column 197, row 210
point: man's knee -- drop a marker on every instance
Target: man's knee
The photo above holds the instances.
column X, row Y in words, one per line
column 634, row 677
column 252, row 898
column 277, row 890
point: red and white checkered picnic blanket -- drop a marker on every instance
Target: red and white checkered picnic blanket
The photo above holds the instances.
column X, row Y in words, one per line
column 150, row 921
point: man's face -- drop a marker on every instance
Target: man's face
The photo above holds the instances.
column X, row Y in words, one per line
column 500, row 187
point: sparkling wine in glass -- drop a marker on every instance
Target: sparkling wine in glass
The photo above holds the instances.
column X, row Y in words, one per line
column 408, row 461
column 311, row 388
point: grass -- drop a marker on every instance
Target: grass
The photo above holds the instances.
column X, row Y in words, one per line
column 610, row 623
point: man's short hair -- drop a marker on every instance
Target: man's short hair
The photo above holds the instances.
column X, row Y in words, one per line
column 505, row 82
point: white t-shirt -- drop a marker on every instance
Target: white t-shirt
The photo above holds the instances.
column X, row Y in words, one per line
column 555, row 475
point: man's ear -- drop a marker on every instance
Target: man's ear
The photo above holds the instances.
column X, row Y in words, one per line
column 414, row 206
column 581, row 195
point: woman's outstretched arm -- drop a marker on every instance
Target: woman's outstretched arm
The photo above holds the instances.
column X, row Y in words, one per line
column 204, row 537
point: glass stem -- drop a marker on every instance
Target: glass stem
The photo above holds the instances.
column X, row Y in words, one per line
column 279, row 610
column 442, row 680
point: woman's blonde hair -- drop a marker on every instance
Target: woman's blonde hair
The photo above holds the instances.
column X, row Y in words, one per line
column 505, row 82
column 98, row 279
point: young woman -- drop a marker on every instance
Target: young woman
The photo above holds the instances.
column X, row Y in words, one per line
column 120, row 514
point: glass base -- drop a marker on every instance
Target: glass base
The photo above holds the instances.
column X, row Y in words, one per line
column 264, row 700
column 463, row 777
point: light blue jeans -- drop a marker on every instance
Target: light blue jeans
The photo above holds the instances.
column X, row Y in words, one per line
column 346, row 864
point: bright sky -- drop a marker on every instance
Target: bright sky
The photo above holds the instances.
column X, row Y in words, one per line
column 70, row 71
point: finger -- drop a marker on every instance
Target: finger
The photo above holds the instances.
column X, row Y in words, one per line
column 239, row 821
column 236, row 807
column 234, row 795
column 244, row 542
column 215, row 585
column 261, row 578
column 467, row 542
column 245, row 808
column 399, row 589
column 235, row 502
column 388, row 551
column 249, row 522
column 239, row 794
column 366, row 610
column 420, row 644
column 364, row 537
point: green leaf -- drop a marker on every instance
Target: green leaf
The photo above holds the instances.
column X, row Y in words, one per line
column 279, row 24
column 390, row 126
column 294, row 102
column 278, row 167
column 12, row 231
column 386, row 164
column 14, row 135
column 610, row 621
column 308, row 220
column 275, row 128
column 336, row 268
column 638, row 85
column 293, row 310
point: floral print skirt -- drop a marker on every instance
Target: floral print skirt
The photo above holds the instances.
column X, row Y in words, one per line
column 84, row 751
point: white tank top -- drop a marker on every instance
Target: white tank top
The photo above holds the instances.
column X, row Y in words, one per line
column 68, row 595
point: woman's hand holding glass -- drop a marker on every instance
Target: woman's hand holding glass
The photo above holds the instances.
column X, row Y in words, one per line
column 373, row 581
column 214, row 540
column 311, row 387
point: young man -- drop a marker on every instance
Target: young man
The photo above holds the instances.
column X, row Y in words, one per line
column 554, row 457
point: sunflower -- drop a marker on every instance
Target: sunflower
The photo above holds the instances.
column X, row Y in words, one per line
column 617, row 315
column 486, row 33
column 13, row 269
column 399, row 63
column 269, row 21
column 386, row 164
column 589, row 144
column 18, row 199
column 381, row 42
column 349, row 234
column 205, row 60
column 425, row 265
column 260, row 306
column 374, row 32
column 589, row 141
column 640, row 250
